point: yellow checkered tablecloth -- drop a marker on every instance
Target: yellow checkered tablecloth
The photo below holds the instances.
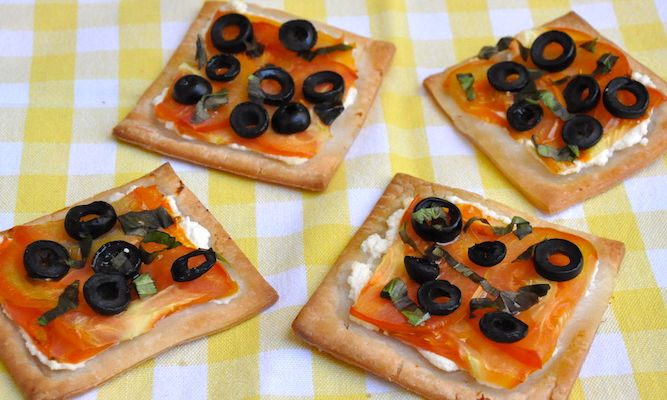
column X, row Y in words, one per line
column 70, row 71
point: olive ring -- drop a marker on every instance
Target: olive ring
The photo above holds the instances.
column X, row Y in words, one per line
column 93, row 228
column 487, row 254
column 298, row 35
column 502, row 327
column 189, row 89
column 332, row 78
column 226, row 62
column 249, row 120
column 281, row 77
column 107, row 293
column 559, row 63
column 421, row 270
column 576, row 88
column 582, row 131
column 290, row 118
column 236, row 44
column 499, row 73
column 553, row 272
column 46, row 259
column 618, row 109
column 432, row 290
column 523, row 116
column 180, row 271
column 118, row 256
column 445, row 231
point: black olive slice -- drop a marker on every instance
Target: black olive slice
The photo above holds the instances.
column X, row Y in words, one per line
column 582, row 131
column 421, row 270
column 249, row 120
column 91, row 228
column 487, row 254
column 180, row 271
column 223, row 68
column 328, row 112
column 321, row 79
column 502, row 327
column 46, row 259
column 523, row 116
column 189, row 89
column 559, row 63
column 283, row 79
column 290, row 118
column 575, row 90
column 440, row 230
column 107, row 293
column 508, row 76
column 118, row 256
column 298, row 35
column 432, row 290
column 236, row 44
column 616, row 107
column 553, row 272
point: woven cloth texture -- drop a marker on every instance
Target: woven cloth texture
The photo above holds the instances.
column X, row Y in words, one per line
column 70, row 71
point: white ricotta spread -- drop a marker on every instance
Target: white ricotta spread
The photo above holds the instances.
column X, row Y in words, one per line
column 195, row 232
column 285, row 159
column 350, row 97
column 239, row 6
column 54, row 365
column 360, row 275
column 439, row 361
column 485, row 210
column 643, row 79
column 160, row 97
column 119, row 195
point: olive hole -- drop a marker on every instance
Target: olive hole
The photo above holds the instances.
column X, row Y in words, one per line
column 88, row 217
column 439, row 296
column 196, row 261
column 584, row 94
column 231, row 32
column 504, row 324
column 324, row 87
column 626, row 97
column 559, row 259
column 553, row 50
column 512, row 77
column 270, row 86
column 221, row 70
column 108, row 291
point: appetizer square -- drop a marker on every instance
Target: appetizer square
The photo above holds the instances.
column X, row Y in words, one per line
column 259, row 93
column 92, row 290
column 454, row 296
column 564, row 113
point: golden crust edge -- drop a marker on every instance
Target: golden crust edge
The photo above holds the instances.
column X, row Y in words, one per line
column 321, row 323
column 37, row 381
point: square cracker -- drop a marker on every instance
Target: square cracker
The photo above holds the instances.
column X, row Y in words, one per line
column 39, row 382
column 141, row 127
column 548, row 191
column 325, row 323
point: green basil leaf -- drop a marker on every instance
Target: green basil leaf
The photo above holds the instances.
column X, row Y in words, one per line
column 549, row 100
column 605, row 63
column 466, row 81
column 428, row 214
column 222, row 259
column 253, row 48
column 397, row 291
column 535, row 74
column 147, row 257
column 207, row 103
column 200, row 53
column 68, row 300
column 527, row 254
column 255, row 93
column 139, row 223
column 590, row 46
column 161, row 238
column 567, row 153
column 523, row 50
column 561, row 80
column 403, row 233
column 145, row 286
column 523, row 227
column 503, row 44
column 309, row 55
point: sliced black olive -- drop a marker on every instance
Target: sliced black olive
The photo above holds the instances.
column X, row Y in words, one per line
column 298, row 35
column 441, row 230
column 616, row 107
column 432, row 290
column 283, row 79
column 582, row 131
column 502, row 327
column 223, row 68
column 181, row 272
column 421, row 270
column 91, row 228
column 107, row 293
column 544, row 250
column 575, row 90
column 322, row 79
column 118, row 256
column 190, row 88
column 249, row 120
column 559, row 63
column 508, row 76
column 487, row 254
column 239, row 42
column 523, row 116
column 46, row 259
column 290, row 118
column 328, row 112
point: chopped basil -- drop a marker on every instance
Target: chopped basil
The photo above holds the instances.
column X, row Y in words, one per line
column 309, row 55
column 253, row 48
column 85, row 244
column 255, row 93
column 590, row 46
column 527, row 254
column 145, row 285
column 222, row 259
column 511, row 302
column 403, row 232
column 159, row 237
column 430, row 215
column 523, row 227
column 397, row 291
column 549, row 100
column 503, row 44
column 466, row 81
column 523, row 50
column 605, row 63
column 139, row 223
column 535, row 74
column 200, row 54
column 561, row 80
column 208, row 103
column 566, row 153
column 68, row 300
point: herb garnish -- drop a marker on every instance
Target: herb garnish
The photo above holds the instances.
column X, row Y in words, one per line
column 139, row 223
column 523, row 227
column 466, row 81
column 309, row 55
column 255, row 92
column 200, row 54
column 403, row 232
column 253, row 48
column 430, row 215
column 503, row 44
column 561, row 80
column 566, row 153
column 159, row 237
column 397, row 291
column 145, row 286
column 590, row 46
column 605, row 63
column 208, row 103
column 68, row 300
column 549, row 100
